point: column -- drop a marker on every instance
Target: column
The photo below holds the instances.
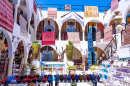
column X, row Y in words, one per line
column 16, row 12
column 10, row 66
column 83, row 35
column 119, row 29
column 60, row 34
column 28, row 24
column 35, row 31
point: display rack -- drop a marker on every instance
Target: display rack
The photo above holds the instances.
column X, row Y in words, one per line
column 53, row 68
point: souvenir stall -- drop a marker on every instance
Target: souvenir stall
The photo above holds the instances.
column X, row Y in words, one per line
column 114, row 71
column 3, row 56
column 19, row 54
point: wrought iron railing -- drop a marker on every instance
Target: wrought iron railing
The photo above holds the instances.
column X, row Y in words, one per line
column 108, row 51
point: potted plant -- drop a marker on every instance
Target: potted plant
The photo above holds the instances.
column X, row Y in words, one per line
column 71, row 69
column 69, row 51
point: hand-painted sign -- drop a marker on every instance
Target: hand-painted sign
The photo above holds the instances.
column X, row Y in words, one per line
column 91, row 11
column 67, row 7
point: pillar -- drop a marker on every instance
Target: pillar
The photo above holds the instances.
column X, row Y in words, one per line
column 119, row 29
column 28, row 24
column 60, row 34
column 83, row 35
column 24, row 60
column 10, row 66
column 35, row 31
column 16, row 12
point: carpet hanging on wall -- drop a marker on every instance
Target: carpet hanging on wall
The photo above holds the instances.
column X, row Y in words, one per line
column 74, row 37
column 69, row 51
column 48, row 38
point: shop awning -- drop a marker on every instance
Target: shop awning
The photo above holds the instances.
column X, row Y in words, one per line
column 52, row 63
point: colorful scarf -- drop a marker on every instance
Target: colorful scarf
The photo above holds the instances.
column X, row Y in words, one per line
column 48, row 38
column 69, row 52
column 74, row 37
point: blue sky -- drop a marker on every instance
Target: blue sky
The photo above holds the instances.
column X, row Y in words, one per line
column 74, row 2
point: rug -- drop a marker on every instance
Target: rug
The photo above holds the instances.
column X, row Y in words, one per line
column 48, row 38
column 74, row 37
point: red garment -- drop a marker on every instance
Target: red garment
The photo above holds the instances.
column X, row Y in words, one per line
column 48, row 38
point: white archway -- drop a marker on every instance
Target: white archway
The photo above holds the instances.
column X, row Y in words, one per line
column 9, row 40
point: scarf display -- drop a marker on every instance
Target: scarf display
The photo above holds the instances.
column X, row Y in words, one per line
column 23, row 26
column 74, row 37
column 126, row 35
column 35, row 51
column 32, row 34
column 69, row 52
column 108, row 34
column 48, row 38
column 2, row 45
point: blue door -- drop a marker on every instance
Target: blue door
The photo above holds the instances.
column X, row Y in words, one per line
column 47, row 56
column 95, row 58
column 89, row 59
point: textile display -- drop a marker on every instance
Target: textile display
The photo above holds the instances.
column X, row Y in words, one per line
column 74, row 37
column 100, row 26
column 69, row 51
column 126, row 35
column 90, row 46
column 98, row 36
column 34, row 6
column 5, row 66
column 67, row 7
column 35, row 50
column 108, row 34
column 52, row 12
column 32, row 34
column 91, row 11
column 63, row 35
column 48, row 38
column 114, row 5
column 23, row 26
column 6, row 15
column 2, row 45
column 90, row 37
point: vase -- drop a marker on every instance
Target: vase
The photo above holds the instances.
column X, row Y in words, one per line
column 35, row 50
column 69, row 52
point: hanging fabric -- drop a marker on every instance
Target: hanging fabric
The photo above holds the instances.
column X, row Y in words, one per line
column 74, row 37
column 32, row 33
column 48, row 38
column 2, row 45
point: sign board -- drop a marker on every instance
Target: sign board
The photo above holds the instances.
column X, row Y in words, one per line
column 91, row 11
column 52, row 12
column 67, row 7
